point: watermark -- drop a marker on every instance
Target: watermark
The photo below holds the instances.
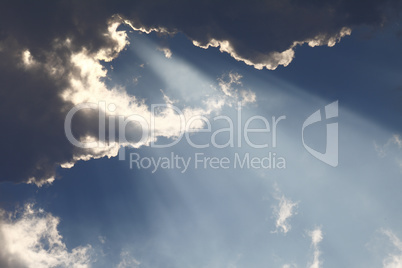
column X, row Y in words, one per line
column 203, row 161
column 152, row 126
column 171, row 123
column 330, row 156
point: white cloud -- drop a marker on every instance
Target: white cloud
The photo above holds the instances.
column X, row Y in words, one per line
column 120, row 38
column 391, row 149
column 316, row 238
column 394, row 259
column 289, row 265
column 102, row 239
column 229, row 84
column 49, row 180
column 274, row 59
column 166, row 51
column 383, row 150
column 31, row 239
column 160, row 30
column 127, row 261
column 248, row 96
column 285, row 209
column 323, row 39
column 87, row 87
column 270, row 61
column 27, row 58
column 136, row 79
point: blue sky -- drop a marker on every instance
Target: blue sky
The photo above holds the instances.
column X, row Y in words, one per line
column 305, row 214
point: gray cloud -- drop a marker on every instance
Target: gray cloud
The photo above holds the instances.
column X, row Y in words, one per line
column 32, row 108
column 261, row 33
column 33, row 112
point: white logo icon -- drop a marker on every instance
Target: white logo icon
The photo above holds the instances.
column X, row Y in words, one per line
column 330, row 156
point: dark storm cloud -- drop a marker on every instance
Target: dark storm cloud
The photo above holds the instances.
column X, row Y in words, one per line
column 32, row 120
column 256, row 29
column 32, row 111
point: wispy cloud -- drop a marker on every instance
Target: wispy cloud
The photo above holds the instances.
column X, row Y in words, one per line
column 231, row 86
column 127, row 261
column 383, row 150
column 283, row 211
column 391, row 149
column 289, row 265
column 316, row 238
column 166, row 51
column 394, row 259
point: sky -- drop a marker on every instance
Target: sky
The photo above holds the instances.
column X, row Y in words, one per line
column 201, row 134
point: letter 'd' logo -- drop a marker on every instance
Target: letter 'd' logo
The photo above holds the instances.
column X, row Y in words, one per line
column 330, row 156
